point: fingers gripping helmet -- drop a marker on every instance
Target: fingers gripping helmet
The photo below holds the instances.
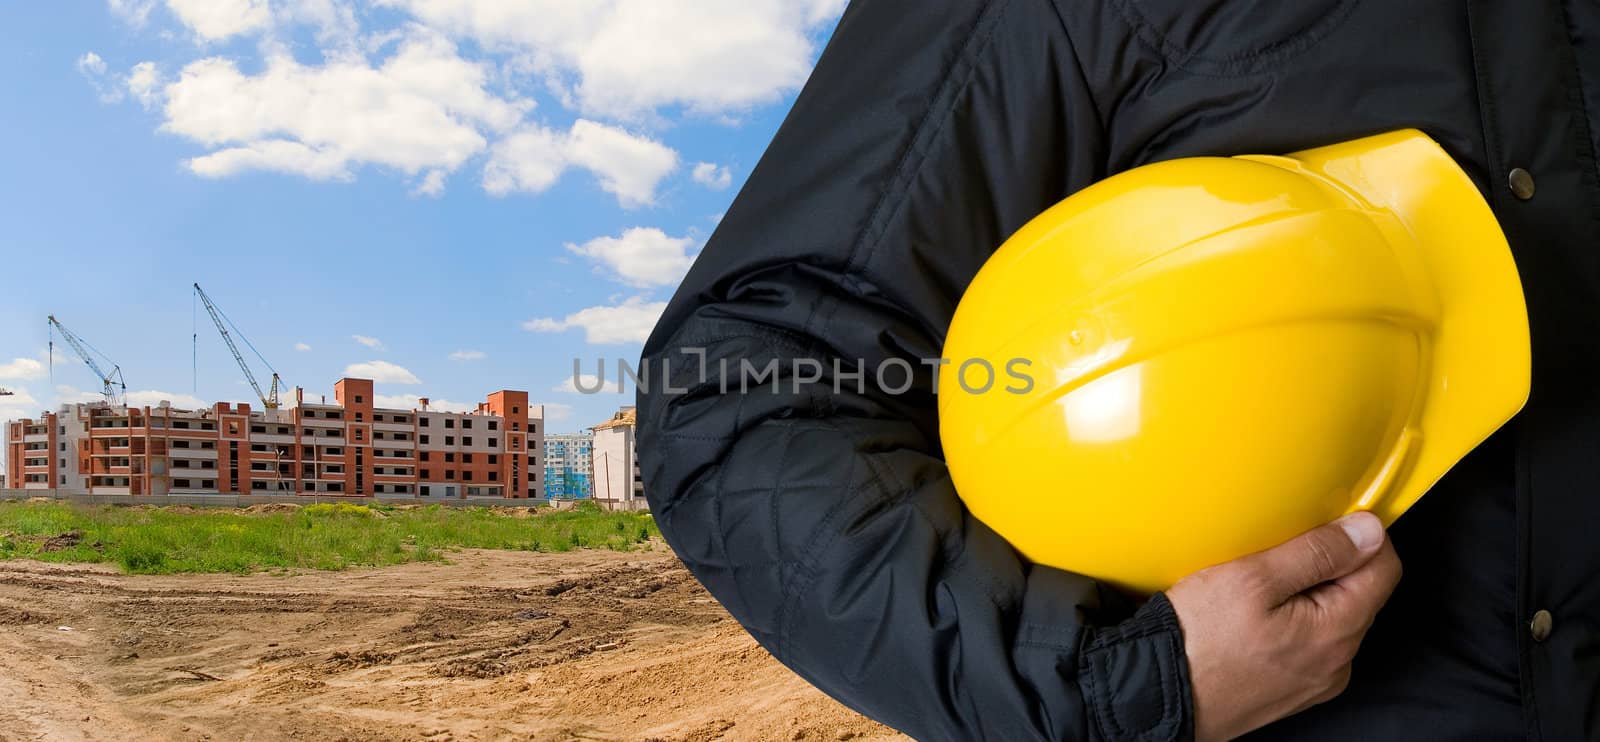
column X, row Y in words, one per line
column 1226, row 352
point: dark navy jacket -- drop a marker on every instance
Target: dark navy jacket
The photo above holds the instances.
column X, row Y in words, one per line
column 930, row 131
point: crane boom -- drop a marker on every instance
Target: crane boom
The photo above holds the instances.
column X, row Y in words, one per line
column 112, row 384
column 269, row 399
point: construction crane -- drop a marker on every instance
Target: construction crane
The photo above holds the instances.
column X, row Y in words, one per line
column 269, row 399
column 113, row 388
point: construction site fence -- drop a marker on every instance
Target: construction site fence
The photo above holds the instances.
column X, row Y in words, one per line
column 240, row 501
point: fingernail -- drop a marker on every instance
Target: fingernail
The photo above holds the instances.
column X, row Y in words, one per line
column 1364, row 529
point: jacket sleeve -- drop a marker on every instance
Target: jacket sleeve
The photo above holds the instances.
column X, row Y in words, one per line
column 808, row 494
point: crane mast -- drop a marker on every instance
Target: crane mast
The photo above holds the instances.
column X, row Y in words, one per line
column 269, row 399
column 113, row 388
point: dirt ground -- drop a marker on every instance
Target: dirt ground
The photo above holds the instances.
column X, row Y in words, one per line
column 585, row 645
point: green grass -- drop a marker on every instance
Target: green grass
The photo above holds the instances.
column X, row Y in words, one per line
column 146, row 540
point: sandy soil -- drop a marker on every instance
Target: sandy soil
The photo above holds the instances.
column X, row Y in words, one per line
column 587, row 645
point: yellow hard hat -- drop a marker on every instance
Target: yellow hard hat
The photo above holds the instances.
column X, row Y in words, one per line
column 1202, row 358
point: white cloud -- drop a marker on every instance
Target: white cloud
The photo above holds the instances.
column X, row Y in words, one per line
column 468, row 355
column 93, row 69
column 555, row 413
column 404, row 98
column 431, row 185
column 67, row 394
column 213, row 21
column 528, row 161
column 335, row 20
column 589, row 383
column 133, row 12
column 629, row 322
column 279, row 156
column 713, row 176
column 152, row 398
column 628, row 167
column 822, row 11
column 18, row 404
column 368, row 341
column 641, row 257
column 143, row 82
column 216, row 20
column 409, row 402
column 91, row 64
column 533, row 158
column 22, row 368
column 626, row 58
column 424, row 112
column 424, row 109
column 382, row 372
column 302, row 348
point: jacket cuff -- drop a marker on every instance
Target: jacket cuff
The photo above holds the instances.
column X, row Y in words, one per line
column 1135, row 678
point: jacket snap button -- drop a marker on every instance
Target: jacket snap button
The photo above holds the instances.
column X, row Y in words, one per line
column 1522, row 185
column 1540, row 626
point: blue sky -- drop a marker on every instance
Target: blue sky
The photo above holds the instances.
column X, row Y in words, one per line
column 483, row 190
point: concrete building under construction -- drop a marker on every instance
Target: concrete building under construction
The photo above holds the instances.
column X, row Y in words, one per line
column 617, row 483
column 348, row 448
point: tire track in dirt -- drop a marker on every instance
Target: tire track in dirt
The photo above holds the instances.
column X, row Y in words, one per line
column 497, row 645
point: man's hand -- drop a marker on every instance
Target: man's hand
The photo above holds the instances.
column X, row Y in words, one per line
column 1273, row 633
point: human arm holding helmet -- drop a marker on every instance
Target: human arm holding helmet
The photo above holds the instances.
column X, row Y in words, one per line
column 1271, row 634
column 822, row 514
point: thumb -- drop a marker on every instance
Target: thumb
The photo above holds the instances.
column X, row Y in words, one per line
column 1317, row 556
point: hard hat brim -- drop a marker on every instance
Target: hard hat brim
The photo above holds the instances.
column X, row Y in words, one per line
column 1481, row 359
